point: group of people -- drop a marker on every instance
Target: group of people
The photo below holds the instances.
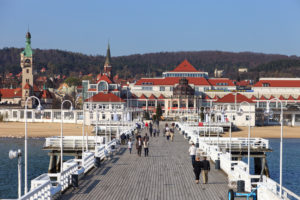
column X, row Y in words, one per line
column 169, row 132
column 199, row 165
column 153, row 131
column 141, row 142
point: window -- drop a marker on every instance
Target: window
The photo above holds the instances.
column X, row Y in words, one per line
column 27, row 80
column 147, row 88
column 91, row 115
column 103, row 116
column 27, row 71
column 102, row 86
column 151, row 103
column 247, row 117
column 162, row 88
column 233, row 117
column 15, row 114
column 171, row 88
column 265, row 84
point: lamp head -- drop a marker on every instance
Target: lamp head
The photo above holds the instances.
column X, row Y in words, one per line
column 39, row 107
column 14, row 154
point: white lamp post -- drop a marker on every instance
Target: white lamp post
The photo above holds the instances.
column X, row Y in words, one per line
column 61, row 132
column 13, row 154
column 270, row 113
column 39, row 108
column 230, row 135
column 240, row 111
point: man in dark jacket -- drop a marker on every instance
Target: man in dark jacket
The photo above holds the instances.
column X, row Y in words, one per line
column 205, row 170
column 197, row 165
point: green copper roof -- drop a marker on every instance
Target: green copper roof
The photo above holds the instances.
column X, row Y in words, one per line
column 108, row 58
column 28, row 51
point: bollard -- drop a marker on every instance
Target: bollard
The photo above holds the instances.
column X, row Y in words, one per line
column 74, row 180
column 97, row 162
column 240, row 186
column 197, row 145
column 217, row 164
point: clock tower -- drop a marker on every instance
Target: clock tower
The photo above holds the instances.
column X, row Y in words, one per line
column 27, row 72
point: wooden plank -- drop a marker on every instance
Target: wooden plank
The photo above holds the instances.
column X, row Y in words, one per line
column 166, row 174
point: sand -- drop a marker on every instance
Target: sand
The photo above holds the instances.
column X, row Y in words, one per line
column 17, row 129
column 267, row 132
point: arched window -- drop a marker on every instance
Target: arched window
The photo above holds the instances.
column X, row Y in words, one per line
column 102, row 86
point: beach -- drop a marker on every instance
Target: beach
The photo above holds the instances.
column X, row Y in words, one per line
column 35, row 130
column 266, row 132
column 16, row 129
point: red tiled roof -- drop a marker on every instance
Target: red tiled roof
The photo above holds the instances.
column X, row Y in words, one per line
column 298, row 97
column 161, row 97
column 92, row 89
column 263, row 98
column 171, row 81
column 142, row 97
column 26, row 86
column 215, row 81
column 253, row 98
column 278, row 83
column 36, row 89
column 243, row 83
column 291, row 98
column 104, row 78
column 207, row 97
column 152, row 97
column 230, row 98
column 102, row 97
column 116, row 90
column 133, row 96
column 271, row 97
column 216, row 97
column 185, row 66
column 281, row 98
column 79, row 87
column 46, row 94
column 10, row 93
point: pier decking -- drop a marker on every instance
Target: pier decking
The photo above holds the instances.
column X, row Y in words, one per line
column 166, row 174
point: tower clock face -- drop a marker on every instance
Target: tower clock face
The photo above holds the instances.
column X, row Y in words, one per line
column 27, row 63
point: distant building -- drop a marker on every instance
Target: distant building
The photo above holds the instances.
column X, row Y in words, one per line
column 243, row 70
column 218, row 73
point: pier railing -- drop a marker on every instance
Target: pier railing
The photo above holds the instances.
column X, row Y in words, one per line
column 238, row 170
column 47, row 185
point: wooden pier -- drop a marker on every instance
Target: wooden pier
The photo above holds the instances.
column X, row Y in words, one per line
column 166, row 174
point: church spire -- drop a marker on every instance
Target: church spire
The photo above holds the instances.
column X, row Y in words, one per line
column 107, row 65
column 108, row 58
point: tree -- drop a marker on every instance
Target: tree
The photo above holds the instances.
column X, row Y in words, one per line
column 158, row 112
column 73, row 81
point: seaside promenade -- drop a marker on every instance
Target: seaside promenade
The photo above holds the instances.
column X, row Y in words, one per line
column 166, row 174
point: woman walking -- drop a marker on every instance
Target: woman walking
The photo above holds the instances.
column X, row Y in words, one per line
column 167, row 132
column 146, row 147
column 197, row 165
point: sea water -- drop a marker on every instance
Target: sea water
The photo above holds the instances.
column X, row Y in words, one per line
column 38, row 161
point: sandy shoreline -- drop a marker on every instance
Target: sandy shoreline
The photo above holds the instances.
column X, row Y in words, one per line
column 40, row 130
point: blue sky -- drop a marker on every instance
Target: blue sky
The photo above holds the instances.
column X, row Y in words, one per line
column 140, row 26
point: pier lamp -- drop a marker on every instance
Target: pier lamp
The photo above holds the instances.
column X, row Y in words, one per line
column 230, row 135
column 241, row 112
column 39, row 109
column 17, row 154
column 269, row 112
column 61, row 131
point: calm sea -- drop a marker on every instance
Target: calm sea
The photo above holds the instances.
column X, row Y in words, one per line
column 38, row 163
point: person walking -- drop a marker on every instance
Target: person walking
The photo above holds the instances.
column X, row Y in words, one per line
column 150, row 129
column 157, row 123
column 197, row 165
column 146, row 137
column 205, row 170
column 146, row 147
column 192, row 151
column 167, row 132
column 154, row 132
column 146, row 125
column 139, row 144
column 129, row 143
column 164, row 132
column 172, row 134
